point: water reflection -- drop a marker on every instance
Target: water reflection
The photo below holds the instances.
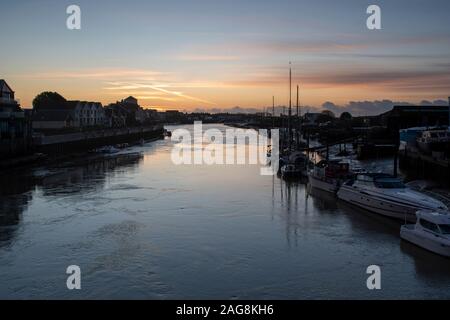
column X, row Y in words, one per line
column 324, row 201
column 15, row 194
column 142, row 227
column 427, row 264
column 87, row 175
column 290, row 194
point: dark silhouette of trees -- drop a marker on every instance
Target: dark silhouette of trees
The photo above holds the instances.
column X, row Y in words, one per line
column 49, row 100
column 346, row 116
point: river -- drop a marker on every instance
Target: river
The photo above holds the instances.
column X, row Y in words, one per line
column 141, row 227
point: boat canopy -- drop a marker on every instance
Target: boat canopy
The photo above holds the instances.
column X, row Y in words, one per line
column 434, row 216
column 381, row 180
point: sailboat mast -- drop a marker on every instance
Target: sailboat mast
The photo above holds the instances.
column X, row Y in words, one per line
column 290, row 106
column 297, row 133
column 273, row 111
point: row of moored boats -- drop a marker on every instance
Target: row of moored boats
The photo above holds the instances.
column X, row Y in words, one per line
column 388, row 196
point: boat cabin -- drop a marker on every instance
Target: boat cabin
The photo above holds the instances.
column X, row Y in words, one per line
column 433, row 222
column 332, row 169
column 434, row 136
column 377, row 180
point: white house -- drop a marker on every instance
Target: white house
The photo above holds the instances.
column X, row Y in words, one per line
column 74, row 114
column 88, row 114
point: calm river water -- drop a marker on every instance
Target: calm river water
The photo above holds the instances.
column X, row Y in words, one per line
column 141, row 227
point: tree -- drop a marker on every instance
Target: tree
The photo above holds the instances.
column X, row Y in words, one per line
column 49, row 100
column 325, row 116
column 346, row 116
column 328, row 113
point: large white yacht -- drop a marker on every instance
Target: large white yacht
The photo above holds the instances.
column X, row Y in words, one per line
column 388, row 196
column 431, row 232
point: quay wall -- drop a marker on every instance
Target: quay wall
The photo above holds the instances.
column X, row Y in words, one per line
column 82, row 141
column 419, row 166
column 10, row 148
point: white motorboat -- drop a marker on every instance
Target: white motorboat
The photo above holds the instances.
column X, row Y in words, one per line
column 431, row 232
column 329, row 175
column 388, row 196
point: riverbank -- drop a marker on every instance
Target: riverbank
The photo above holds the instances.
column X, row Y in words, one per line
column 59, row 147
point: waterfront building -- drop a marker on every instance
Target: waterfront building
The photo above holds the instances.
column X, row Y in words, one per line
column 15, row 131
column 128, row 109
column 311, row 118
column 173, row 116
column 88, row 114
column 71, row 114
column 53, row 120
column 402, row 117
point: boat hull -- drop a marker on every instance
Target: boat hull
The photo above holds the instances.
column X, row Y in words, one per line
column 428, row 242
column 379, row 205
column 291, row 175
column 323, row 185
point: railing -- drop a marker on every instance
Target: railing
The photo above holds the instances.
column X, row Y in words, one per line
column 9, row 100
column 8, row 115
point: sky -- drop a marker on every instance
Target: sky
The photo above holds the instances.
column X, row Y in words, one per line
column 214, row 55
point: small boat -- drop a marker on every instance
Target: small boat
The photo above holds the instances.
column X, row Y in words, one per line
column 329, row 175
column 107, row 150
column 167, row 133
column 433, row 140
column 122, row 145
column 291, row 171
column 300, row 161
column 431, row 232
column 386, row 195
column 408, row 137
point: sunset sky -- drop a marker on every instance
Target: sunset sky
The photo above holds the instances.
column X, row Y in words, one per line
column 189, row 54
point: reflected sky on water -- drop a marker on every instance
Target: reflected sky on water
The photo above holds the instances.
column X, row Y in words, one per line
column 141, row 227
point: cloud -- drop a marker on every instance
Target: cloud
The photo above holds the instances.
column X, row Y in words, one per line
column 159, row 87
column 332, row 44
column 413, row 81
column 99, row 74
column 370, row 108
column 199, row 57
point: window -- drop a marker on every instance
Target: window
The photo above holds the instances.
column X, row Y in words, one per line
column 389, row 184
column 429, row 225
column 445, row 228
